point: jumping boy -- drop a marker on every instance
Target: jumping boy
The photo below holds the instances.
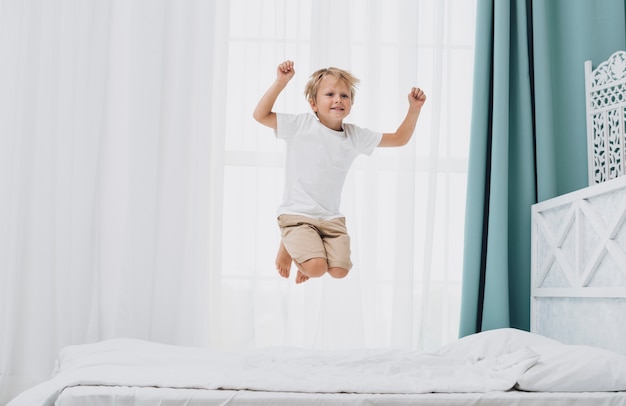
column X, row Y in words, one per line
column 320, row 150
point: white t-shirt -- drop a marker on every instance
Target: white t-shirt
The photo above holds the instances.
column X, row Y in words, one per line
column 318, row 160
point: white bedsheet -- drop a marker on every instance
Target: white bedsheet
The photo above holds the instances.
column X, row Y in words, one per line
column 128, row 362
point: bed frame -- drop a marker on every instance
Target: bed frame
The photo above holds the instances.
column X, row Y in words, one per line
column 578, row 257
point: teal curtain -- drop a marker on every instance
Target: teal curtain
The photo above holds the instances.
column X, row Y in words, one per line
column 528, row 138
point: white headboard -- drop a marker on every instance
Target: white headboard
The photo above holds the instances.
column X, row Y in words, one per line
column 578, row 265
column 605, row 90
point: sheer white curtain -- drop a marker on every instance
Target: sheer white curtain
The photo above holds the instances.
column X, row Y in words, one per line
column 404, row 207
column 105, row 135
column 138, row 196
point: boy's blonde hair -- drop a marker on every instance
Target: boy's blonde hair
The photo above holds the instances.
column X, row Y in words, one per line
column 310, row 90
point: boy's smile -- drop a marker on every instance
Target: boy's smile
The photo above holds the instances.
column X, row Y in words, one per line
column 332, row 102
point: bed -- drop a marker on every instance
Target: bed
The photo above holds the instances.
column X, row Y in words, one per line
column 488, row 368
column 575, row 353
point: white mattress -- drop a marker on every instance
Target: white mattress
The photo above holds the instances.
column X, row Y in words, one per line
column 504, row 366
column 136, row 396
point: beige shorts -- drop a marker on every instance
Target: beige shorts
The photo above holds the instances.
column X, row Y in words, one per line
column 306, row 238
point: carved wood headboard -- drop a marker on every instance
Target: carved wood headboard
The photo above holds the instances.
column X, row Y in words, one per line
column 605, row 90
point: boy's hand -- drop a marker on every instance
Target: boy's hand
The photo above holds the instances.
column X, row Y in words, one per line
column 417, row 97
column 263, row 113
column 285, row 71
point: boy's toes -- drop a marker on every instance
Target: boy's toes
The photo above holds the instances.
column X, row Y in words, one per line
column 300, row 277
column 284, row 272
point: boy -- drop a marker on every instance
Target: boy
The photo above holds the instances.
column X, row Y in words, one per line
column 320, row 150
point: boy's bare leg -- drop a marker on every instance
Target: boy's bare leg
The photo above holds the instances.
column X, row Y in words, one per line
column 283, row 261
column 337, row 272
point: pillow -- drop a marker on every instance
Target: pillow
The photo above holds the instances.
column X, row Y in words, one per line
column 492, row 343
column 575, row 368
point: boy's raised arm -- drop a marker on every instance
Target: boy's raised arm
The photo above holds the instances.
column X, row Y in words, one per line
column 403, row 134
column 263, row 112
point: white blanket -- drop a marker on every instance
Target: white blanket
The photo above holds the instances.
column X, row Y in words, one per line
column 129, row 362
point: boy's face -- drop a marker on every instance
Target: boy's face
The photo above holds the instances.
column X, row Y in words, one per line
column 332, row 102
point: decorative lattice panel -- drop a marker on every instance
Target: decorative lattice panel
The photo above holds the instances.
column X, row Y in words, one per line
column 606, row 113
column 579, row 266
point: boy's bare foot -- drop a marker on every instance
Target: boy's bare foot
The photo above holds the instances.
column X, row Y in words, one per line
column 300, row 277
column 283, row 261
